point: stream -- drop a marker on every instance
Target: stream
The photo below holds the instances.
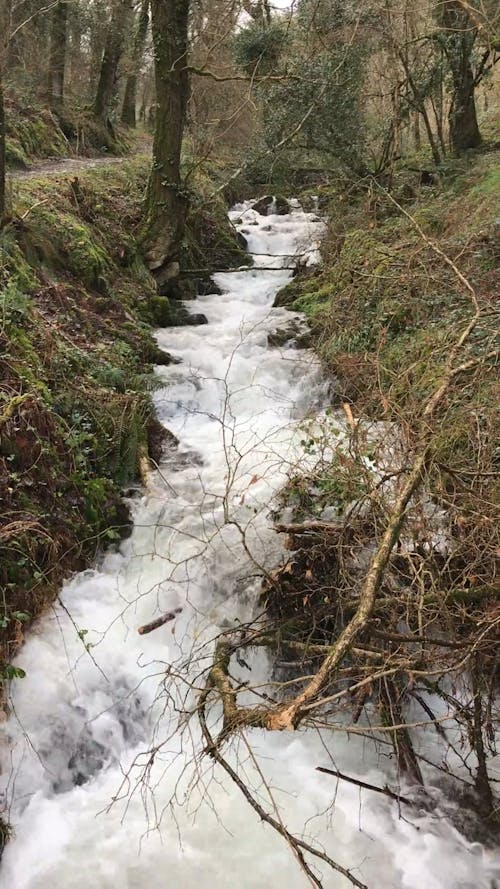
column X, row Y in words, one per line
column 89, row 803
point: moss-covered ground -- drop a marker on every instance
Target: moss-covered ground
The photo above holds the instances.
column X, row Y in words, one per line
column 385, row 305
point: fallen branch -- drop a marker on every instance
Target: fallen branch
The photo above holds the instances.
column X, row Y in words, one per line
column 164, row 619
column 303, row 527
column 384, row 790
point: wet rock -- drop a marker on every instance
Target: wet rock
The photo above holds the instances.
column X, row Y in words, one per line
column 263, row 204
column 268, row 204
column 295, row 334
column 87, row 759
column 178, row 289
column 159, row 439
column 281, row 205
column 286, row 296
column 196, row 319
column 207, row 286
column 160, row 358
column 183, row 460
column 242, row 241
column 171, row 441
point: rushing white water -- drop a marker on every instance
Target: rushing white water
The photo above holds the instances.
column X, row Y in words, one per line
column 83, row 808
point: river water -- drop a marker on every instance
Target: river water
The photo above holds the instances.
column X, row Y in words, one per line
column 90, row 803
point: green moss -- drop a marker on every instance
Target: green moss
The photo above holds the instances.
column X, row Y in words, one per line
column 15, row 156
column 161, row 311
column 489, row 184
column 34, row 132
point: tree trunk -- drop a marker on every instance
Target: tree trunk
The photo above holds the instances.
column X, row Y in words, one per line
column 392, row 713
column 57, row 55
column 97, row 39
column 113, row 50
column 464, row 129
column 130, row 98
column 2, row 155
column 74, row 50
column 460, row 36
column 5, row 30
column 166, row 202
column 416, row 131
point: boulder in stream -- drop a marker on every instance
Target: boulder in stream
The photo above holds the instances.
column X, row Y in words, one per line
column 263, row 204
column 196, row 319
column 281, row 206
column 294, row 333
column 268, row 204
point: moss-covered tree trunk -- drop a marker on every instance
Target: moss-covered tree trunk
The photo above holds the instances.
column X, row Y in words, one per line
column 57, row 55
column 130, row 97
column 113, row 51
column 166, row 201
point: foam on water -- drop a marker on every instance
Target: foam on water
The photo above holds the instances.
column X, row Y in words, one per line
column 83, row 720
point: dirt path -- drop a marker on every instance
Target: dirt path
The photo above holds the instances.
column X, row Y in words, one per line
column 64, row 165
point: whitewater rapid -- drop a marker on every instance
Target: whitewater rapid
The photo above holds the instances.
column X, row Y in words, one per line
column 89, row 803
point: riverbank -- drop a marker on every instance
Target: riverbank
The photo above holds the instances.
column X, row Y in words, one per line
column 78, row 310
column 404, row 319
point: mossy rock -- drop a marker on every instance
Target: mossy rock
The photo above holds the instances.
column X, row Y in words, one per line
column 15, row 156
column 286, row 297
column 281, row 205
column 162, row 312
column 263, row 205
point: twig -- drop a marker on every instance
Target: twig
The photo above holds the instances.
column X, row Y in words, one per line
column 384, row 790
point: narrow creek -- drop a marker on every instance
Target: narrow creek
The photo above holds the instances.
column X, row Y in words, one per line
column 87, row 807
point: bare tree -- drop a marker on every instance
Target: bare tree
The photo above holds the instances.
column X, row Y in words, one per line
column 130, row 98
column 113, row 51
column 57, row 54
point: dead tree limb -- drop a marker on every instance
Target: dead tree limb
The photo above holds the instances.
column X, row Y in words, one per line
column 165, row 618
column 365, row 786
